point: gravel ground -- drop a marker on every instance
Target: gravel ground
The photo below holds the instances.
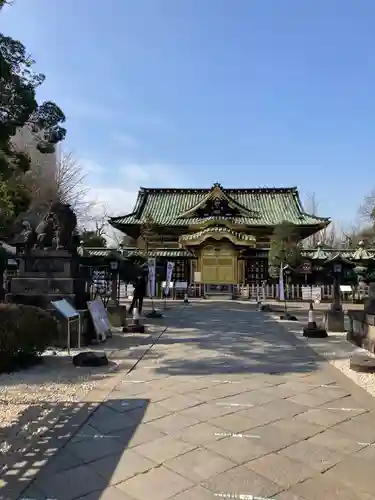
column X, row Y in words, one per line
column 337, row 350
column 32, row 400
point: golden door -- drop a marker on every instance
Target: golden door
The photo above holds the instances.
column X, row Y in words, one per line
column 218, row 264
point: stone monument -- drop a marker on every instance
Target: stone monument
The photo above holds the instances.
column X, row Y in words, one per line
column 48, row 261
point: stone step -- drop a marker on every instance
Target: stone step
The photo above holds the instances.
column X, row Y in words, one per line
column 219, row 296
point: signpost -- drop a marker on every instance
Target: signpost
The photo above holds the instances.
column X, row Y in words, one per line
column 71, row 315
column 100, row 319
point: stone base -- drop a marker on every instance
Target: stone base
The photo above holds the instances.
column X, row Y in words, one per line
column 334, row 321
column 288, row 317
column 90, row 358
column 134, row 328
column 265, row 308
column 313, row 331
column 362, row 363
column 154, row 314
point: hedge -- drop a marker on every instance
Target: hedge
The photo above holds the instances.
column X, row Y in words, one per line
column 25, row 333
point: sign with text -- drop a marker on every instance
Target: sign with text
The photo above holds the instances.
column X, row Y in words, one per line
column 65, row 309
column 313, row 293
column 100, row 319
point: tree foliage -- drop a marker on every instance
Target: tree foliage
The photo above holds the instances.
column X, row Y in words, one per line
column 19, row 108
column 284, row 246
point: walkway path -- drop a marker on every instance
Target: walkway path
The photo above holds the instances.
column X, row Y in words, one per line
column 226, row 404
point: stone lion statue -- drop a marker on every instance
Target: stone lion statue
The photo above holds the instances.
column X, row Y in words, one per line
column 66, row 226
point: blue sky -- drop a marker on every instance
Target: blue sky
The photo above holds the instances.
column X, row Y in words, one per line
column 188, row 92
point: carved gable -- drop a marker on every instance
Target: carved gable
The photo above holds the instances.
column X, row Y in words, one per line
column 219, row 204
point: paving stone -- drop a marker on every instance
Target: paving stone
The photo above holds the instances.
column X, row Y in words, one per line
column 231, row 423
column 207, row 411
column 336, row 441
column 107, row 420
column 123, row 405
column 239, row 450
column 117, row 468
column 320, row 487
column 153, row 411
column 360, row 427
column 30, row 494
column 241, row 480
column 173, row 423
column 70, row 484
column 179, row 402
column 281, row 470
column 143, row 433
column 111, row 493
column 297, row 428
column 356, row 408
column 355, row 473
column 199, row 464
column 199, row 434
column 159, row 484
column 325, row 418
column 93, row 449
column 163, row 449
column 317, row 457
column 195, row 493
column 366, row 453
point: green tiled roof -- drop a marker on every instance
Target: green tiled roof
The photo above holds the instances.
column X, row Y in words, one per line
column 262, row 207
column 321, row 253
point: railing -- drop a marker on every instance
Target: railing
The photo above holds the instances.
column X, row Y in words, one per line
column 252, row 292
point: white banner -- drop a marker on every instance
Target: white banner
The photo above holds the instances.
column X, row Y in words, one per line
column 170, row 266
column 281, row 283
column 151, row 277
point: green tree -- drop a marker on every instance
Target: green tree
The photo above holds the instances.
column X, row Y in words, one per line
column 93, row 239
column 284, row 246
column 19, row 108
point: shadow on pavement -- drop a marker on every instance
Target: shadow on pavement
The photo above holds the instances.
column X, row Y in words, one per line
column 72, row 450
column 230, row 338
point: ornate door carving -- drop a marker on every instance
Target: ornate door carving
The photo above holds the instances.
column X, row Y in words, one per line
column 219, row 263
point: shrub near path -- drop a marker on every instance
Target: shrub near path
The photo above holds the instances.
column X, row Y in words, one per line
column 25, row 333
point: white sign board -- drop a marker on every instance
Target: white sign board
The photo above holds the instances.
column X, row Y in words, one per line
column 64, row 308
column 197, row 276
column 181, row 285
column 313, row 293
column 164, row 284
column 100, row 319
column 345, row 289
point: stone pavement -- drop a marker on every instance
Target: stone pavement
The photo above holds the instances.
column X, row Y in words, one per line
column 227, row 404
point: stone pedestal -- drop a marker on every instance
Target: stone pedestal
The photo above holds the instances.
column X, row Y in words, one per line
column 49, row 275
column 334, row 320
column 369, row 307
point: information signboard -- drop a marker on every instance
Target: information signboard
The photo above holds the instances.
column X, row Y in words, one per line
column 71, row 315
column 66, row 309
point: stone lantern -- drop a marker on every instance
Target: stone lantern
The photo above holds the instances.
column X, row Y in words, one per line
column 337, row 267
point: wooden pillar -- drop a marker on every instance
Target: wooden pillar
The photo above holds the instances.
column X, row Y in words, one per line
column 241, row 271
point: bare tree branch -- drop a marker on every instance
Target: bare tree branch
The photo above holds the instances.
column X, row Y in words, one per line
column 61, row 178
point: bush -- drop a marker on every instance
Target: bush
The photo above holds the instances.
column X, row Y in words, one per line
column 25, row 333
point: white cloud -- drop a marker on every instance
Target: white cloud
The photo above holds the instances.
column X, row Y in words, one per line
column 118, row 193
